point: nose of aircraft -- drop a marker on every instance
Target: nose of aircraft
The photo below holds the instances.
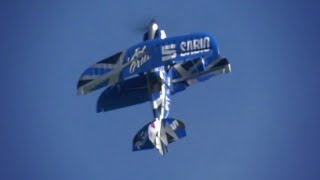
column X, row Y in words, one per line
column 154, row 26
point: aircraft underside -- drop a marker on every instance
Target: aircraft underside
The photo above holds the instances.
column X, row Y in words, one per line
column 153, row 71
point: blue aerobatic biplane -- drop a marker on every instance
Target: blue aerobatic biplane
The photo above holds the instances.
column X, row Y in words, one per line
column 153, row 70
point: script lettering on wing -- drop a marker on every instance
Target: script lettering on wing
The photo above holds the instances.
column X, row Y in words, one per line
column 139, row 58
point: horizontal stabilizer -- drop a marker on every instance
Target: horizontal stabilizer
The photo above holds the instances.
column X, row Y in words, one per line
column 149, row 136
column 141, row 140
column 175, row 129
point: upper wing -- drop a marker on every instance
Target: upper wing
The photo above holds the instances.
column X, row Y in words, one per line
column 100, row 74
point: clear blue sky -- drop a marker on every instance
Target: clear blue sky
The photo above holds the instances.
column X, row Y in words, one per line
column 259, row 122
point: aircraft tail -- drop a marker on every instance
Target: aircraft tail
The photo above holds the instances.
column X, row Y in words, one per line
column 158, row 134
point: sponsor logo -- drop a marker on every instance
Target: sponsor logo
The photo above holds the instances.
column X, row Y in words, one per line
column 195, row 46
column 139, row 58
column 168, row 52
column 189, row 47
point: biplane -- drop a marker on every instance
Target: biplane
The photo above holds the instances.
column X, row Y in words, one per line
column 154, row 70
